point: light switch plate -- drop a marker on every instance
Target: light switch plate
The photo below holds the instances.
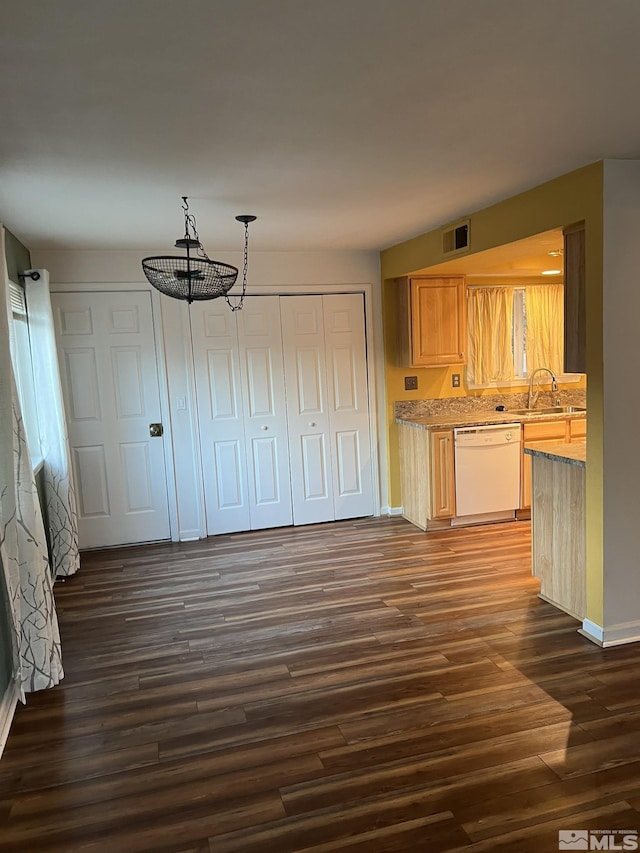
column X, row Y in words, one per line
column 410, row 383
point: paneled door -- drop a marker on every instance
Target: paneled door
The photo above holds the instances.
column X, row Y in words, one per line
column 110, row 384
column 348, row 402
column 242, row 416
column 327, row 407
column 307, row 409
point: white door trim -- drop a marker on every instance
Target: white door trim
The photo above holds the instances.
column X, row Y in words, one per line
column 158, row 338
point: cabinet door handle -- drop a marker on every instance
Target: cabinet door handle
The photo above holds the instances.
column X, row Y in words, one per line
column 265, row 427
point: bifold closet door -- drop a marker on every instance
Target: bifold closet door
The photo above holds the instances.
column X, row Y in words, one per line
column 327, row 407
column 241, row 412
column 348, row 401
column 265, row 413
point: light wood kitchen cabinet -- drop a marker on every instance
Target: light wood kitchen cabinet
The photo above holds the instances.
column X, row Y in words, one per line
column 427, row 476
column 575, row 351
column 577, row 429
column 443, row 483
column 558, row 533
column 432, row 321
column 546, row 432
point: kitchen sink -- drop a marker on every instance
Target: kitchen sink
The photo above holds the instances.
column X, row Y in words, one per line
column 550, row 410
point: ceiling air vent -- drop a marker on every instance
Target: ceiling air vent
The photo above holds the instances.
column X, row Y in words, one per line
column 455, row 239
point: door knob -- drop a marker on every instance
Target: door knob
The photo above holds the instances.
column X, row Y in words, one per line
column 312, row 423
column 265, row 427
column 156, row 430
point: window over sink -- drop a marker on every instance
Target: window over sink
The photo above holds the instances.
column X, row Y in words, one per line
column 513, row 329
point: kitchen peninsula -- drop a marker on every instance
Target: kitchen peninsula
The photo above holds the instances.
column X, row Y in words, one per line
column 558, row 523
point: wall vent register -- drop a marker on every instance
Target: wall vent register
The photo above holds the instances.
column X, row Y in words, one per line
column 455, row 239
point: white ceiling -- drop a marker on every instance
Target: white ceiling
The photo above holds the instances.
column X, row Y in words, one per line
column 341, row 124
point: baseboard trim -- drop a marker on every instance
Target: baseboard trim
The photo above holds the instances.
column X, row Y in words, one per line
column 7, row 710
column 391, row 510
column 615, row 635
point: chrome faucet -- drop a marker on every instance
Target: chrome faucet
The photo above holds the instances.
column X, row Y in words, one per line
column 531, row 399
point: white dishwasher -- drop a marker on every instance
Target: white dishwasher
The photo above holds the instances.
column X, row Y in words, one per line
column 487, row 469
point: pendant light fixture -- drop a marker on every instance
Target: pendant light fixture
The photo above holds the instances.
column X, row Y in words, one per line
column 195, row 276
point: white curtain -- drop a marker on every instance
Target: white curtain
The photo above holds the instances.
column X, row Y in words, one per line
column 58, row 486
column 37, row 660
column 545, row 327
column 490, row 325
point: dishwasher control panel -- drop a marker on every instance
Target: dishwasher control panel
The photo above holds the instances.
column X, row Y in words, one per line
column 487, row 435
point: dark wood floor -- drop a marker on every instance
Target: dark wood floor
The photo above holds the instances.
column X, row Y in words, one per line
column 358, row 686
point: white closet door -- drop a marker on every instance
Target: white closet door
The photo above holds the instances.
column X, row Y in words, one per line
column 265, row 417
column 242, row 415
column 110, row 384
column 220, row 416
column 308, row 414
column 348, row 404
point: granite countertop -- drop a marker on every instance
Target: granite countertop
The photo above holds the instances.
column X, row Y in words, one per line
column 574, row 453
column 451, row 420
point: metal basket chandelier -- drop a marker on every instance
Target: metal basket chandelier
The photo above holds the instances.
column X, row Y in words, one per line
column 195, row 276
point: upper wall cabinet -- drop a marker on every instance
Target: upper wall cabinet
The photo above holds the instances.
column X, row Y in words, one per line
column 432, row 321
column 575, row 351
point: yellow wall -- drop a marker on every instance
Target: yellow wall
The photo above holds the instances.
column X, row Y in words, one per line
column 571, row 198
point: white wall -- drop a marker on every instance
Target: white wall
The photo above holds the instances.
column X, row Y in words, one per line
column 269, row 272
column 621, row 451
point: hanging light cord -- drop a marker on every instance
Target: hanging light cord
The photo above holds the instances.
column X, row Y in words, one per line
column 237, row 306
column 190, row 223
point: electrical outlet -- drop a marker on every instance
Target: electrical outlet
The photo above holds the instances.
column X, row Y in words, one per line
column 455, row 380
column 410, row 383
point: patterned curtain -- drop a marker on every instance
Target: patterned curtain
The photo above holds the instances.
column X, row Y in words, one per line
column 59, row 493
column 37, row 661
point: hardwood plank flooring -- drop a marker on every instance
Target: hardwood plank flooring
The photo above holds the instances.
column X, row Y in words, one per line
column 359, row 686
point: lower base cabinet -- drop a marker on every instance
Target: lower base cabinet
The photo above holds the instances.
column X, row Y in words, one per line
column 550, row 432
column 427, row 476
column 427, row 469
column 558, row 534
